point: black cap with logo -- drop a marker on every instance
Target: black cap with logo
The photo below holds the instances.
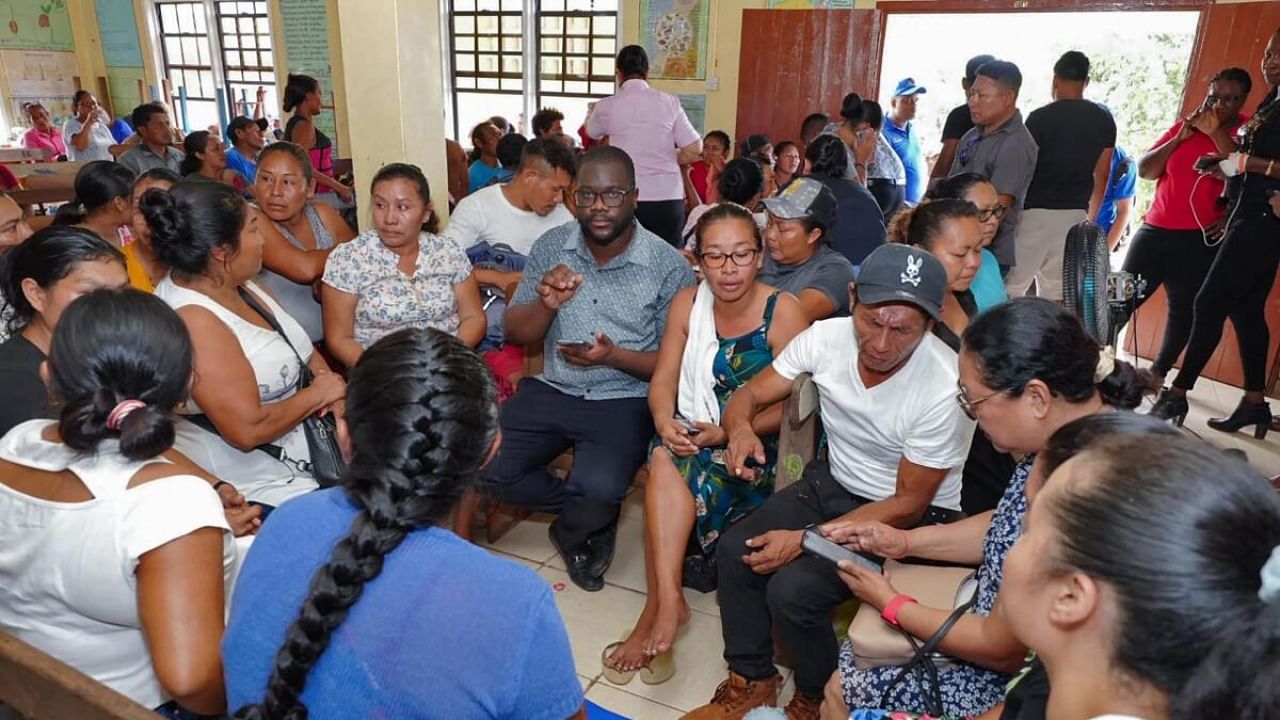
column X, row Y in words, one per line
column 903, row 274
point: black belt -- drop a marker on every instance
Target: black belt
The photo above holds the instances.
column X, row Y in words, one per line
column 882, row 181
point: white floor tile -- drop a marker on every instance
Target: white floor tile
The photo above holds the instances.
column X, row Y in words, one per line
column 632, row 706
column 527, row 540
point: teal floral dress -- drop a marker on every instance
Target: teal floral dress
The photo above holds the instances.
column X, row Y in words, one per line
column 719, row 498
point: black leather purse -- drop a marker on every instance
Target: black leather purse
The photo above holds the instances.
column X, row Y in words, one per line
column 922, row 667
column 327, row 465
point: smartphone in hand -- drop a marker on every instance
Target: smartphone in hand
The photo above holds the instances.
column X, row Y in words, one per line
column 688, row 425
column 816, row 544
column 575, row 344
column 1206, row 162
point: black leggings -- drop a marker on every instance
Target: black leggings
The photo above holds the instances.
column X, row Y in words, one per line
column 1179, row 260
column 664, row 218
column 1237, row 287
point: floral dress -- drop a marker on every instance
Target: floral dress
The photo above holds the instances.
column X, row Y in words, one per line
column 967, row 689
column 719, row 498
column 389, row 300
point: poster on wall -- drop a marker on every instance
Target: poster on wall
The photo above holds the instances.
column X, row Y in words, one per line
column 39, row 76
column 811, row 4
column 305, row 26
column 675, row 37
column 35, row 25
column 695, row 106
column 119, row 32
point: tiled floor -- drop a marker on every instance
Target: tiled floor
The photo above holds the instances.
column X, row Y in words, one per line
column 596, row 619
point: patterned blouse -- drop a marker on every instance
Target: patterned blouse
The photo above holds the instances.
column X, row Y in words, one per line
column 389, row 300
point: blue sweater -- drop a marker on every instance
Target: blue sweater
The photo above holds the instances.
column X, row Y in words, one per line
column 447, row 630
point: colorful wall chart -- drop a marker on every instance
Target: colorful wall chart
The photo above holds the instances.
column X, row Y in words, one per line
column 35, row 25
column 675, row 36
column 695, row 107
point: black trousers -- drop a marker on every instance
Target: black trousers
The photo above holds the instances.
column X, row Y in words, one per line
column 664, row 218
column 1179, row 260
column 1236, row 287
column 610, row 441
column 889, row 196
column 800, row 597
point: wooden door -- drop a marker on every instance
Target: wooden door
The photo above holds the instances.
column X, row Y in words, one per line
column 1229, row 35
column 801, row 61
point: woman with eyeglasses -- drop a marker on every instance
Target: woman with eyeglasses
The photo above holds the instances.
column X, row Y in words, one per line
column 400, row 274
column 1180, row 234
column 988, row 285
column 1027, row 368
column 718, row 335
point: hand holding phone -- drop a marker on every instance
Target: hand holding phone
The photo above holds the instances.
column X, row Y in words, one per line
column 688, row 425
column 1206, row 162
column 817, row 545
column 575, row 344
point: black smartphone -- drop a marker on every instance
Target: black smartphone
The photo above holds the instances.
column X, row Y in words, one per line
column 816, row 544
column 688, row 425
column 575, row 344
column 1205, row 162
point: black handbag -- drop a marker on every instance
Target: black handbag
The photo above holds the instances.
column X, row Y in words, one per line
column 327, row 465
column 922, row 667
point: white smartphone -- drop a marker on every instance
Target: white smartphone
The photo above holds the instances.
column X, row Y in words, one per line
column 816, row 544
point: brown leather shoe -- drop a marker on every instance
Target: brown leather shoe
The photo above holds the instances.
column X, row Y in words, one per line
column 736, row 697
column 803, row 707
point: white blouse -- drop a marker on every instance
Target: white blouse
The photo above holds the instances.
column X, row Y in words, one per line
column 67, row 583
column 259, row 476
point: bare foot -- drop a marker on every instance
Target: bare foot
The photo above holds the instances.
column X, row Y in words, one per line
column 630, row 654
column 666, row 622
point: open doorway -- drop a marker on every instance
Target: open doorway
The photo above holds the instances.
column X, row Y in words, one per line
column 1139, row 61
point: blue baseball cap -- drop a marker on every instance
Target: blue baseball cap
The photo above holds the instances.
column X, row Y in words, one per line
column 908, row 86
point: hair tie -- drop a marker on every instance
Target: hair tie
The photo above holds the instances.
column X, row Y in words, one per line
column 1270, row 590
column 121, row 411
column 1106, row 364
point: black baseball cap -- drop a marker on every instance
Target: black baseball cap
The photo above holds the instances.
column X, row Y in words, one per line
column 903, row 274
column 804, row 199
column 240, row 123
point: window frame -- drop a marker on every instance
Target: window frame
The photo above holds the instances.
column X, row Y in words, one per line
column 532, row 91
column 223, row 50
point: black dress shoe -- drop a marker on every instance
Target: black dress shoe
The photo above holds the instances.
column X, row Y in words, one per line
column 1257, row 414
column 601, row 548
column 700, row 573
column 1170, row 407
column 578, row 563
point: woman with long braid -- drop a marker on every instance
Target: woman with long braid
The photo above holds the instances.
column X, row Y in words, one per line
column 383, row 612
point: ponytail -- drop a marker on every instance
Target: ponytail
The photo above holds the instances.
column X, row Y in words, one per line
column 418, row 442
column 920, row 225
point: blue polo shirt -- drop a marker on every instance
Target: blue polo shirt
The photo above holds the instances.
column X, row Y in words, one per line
column 627, row 300
column 1121, row 183
column 906, row 143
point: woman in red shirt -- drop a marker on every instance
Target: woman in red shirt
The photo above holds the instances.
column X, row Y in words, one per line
column 1180, row 234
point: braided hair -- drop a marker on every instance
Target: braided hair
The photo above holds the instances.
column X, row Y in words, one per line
column 422, row 413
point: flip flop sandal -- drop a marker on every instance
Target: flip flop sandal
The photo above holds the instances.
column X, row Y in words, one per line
column 611, row 673
column 659, row 670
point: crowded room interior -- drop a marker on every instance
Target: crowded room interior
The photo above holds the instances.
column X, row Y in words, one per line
column 640, row 359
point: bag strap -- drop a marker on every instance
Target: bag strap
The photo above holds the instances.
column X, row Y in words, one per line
column 921, row 660
column 304, row 375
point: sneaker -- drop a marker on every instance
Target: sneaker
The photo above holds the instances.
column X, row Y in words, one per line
column 736, row 697
column 577, row 561
column 803, row 707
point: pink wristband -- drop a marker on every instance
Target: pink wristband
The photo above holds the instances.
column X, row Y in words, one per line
column 890, row 612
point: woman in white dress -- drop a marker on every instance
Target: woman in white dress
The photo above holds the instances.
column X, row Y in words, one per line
column 245, row 393
column 113, row 559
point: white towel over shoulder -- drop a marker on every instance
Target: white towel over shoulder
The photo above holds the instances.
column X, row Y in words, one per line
column 697, row 395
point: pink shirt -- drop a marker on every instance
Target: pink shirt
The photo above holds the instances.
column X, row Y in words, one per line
column 650, row 126
column 52, row 140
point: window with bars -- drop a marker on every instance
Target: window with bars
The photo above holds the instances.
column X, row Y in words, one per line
column 248, row 59
column 570, row 60
column 206, row 45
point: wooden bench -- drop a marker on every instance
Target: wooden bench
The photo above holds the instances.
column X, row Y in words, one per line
column 38, row 686
column 25, row 155
column 798, row 435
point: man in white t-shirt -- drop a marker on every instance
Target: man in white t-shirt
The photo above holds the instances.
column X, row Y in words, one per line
column 897, row 440
column 517, row 213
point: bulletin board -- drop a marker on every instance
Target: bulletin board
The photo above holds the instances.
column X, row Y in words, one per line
column 305, row 27
column 35, row 25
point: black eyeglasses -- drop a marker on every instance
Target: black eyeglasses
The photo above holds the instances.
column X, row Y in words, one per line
column 967, row 405
column 741, row 258
column 1215, row 99
column 612, row 197
column 998, row 212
